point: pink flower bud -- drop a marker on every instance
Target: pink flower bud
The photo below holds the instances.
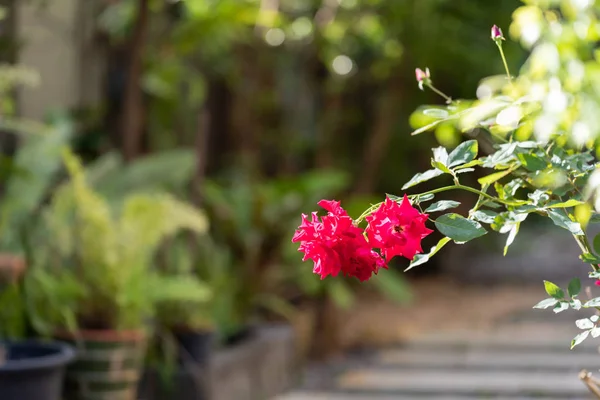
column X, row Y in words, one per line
column 422, row 75
column 497, row 33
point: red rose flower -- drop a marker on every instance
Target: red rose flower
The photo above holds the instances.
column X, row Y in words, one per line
column 597, row 283
column 336, row 245
column 397, row 229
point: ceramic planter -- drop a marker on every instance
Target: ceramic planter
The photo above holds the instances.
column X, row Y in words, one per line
column 108, row 365
column 34, row 370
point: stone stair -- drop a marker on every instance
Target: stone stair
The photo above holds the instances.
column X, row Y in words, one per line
column 517, row 361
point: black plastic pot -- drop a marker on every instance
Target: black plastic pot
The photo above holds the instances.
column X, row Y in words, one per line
column 190, row 379
column 34, row 370
column 195, row 346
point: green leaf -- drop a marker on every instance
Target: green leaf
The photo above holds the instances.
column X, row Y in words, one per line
column 574, row 287
column 579, row 338
column 442, row 205
column 440, row 155
column 485, row 216
column 562, row 306
column 511, row 236
column 584, row 323
column 595, row 302
column 488, row 180
column 458, row 228
column 597, row 243
column 422, row 177
column 590, row 259
column 423, row 258
column 565, row 204
column 553, row 290
column 464, row 153
column 563, row 221
column 422, row 198
column 426, row 127
column 532, row 162
column 546, row 303
column 440, row 166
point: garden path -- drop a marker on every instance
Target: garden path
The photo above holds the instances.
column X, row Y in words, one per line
column 454, row 342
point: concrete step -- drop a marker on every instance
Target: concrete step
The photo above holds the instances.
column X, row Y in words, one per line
column 538, row 337
column 307, row 395
column 459, row 383
column 490, row 360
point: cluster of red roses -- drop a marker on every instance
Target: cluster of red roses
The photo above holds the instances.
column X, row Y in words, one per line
column 336, row 244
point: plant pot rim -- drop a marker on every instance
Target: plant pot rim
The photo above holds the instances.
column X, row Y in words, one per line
column 61, row 355
column 104, row 335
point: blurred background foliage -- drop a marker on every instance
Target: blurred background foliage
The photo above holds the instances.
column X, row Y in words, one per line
column 256, row 109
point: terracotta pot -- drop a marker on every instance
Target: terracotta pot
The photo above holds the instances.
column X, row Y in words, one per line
column 12, row 267
column 108, row 365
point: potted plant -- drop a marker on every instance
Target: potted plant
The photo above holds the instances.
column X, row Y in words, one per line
column 178, row 362
column 109, row 254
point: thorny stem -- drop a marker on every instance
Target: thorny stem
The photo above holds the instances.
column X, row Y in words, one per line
column 439, row 92
column 504, row 61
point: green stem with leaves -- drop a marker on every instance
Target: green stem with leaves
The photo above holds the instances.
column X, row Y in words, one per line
column 444, row 189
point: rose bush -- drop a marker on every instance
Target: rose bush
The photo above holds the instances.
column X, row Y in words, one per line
column 540, row 129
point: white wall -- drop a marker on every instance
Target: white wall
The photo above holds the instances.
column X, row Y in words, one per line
column 57, row 42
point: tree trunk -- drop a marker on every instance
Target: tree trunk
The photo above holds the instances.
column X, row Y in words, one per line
column 133, row 104
column 378, row 140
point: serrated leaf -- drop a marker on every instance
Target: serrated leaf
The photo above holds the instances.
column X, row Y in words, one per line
column 553, row 290
column 546, row 303
column 440, row 166
column 442, row 205
column 458, row 228
column 426, row 127
column 488, row 180
column 468, row 165
column 485, row 216
column 532, row 162
column 440, row 154
column 422, row 177
column 590, row 259
column 423, row 258
column 560, row 307
column 574, row 287
column 595, row 302
column 423, row 198
column 579, row 338
column 563, row 221
column 463, row 153
column 584, row 323
column 511, row 236
column 565, row 204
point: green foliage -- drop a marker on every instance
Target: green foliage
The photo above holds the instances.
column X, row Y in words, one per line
column 34, row 166
column 110, row 257
column 538, row 129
